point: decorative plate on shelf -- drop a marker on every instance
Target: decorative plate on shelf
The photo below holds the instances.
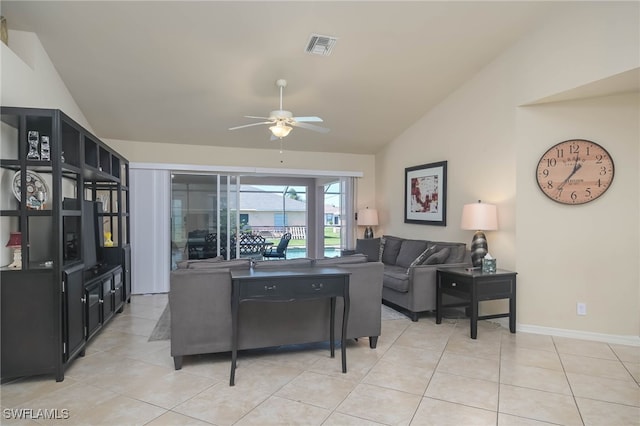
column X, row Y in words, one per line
column 37, row 190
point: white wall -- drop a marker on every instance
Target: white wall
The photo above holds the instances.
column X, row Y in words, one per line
column 270, row 157
column 492, row 146
column 29, row 79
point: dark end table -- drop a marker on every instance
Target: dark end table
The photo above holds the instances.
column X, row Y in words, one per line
column 473, row 286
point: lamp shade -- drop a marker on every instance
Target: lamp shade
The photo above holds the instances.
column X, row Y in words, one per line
column 368, row 217
column 15, row 240
column 479, row 217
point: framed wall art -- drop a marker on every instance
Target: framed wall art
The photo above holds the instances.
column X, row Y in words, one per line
column 425, row 194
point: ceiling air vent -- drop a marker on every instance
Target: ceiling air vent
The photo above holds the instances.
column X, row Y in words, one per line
column 320, row 45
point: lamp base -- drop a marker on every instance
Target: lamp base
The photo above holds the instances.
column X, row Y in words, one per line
column 479, row 248
column 17, row 259
column 368, row 232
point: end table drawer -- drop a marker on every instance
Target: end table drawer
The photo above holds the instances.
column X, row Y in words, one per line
column 453, row 285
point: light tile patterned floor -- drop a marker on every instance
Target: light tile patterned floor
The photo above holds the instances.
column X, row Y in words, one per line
column 420, row 374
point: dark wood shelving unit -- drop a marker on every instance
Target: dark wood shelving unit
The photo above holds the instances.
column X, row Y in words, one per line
column 58, row 297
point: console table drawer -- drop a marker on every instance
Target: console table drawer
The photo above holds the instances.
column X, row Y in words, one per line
column 320, row 287
column 286, row 289
column 266, row 289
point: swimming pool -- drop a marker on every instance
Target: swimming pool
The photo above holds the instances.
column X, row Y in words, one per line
column 298, row 252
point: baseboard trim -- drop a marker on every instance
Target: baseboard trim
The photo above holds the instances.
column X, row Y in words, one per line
column 573, row 334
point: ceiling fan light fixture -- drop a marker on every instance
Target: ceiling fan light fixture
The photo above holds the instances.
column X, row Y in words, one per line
column 280, row 130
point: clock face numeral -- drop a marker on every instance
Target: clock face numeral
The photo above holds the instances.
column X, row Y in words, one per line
column 575, row 171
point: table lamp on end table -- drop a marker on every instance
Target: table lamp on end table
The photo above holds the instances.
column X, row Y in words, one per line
column 368, row 217
column 479, row 217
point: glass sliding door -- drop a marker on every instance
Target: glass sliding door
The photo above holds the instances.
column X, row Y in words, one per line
column 231, row 216
column 269, row 211
column 204, row 216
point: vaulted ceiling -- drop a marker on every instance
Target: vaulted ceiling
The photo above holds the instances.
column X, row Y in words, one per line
column 184, row 72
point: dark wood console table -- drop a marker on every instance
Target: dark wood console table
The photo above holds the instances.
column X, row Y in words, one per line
column 475, row 286
column 287, row 286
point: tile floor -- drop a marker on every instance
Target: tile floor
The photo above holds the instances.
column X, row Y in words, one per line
column 420, row 374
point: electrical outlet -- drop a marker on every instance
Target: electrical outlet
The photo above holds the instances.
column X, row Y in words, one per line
column 581, row 308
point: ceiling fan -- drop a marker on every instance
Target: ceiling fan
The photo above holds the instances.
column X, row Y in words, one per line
column 282, row 121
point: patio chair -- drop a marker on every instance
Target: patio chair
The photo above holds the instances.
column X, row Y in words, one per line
column 280, row 251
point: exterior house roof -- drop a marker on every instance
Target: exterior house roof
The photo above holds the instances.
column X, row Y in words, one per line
column 261, row 200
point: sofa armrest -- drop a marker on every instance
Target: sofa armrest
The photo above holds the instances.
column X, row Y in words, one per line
column 422, row 283
column 422, row 273
column 200, row 311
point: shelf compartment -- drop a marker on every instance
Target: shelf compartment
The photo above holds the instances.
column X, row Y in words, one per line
column 10, row 135
column 90, row 153
column 104, row 161
column 70, row 147
column 40, row 240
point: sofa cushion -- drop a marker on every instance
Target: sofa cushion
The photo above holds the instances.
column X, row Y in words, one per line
column 303, row 262
column 391, row 249
column 344, row 260
column 396, row 278
column 370, row 247
column 225, row 264
column 438, row 257
column 409, row 251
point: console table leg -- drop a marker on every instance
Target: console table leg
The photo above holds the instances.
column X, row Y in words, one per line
column 234, row 332
column 345, row 320
column 332, row 326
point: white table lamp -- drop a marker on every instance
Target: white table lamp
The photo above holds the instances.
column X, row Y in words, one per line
column 479, row 217
column 368, row 217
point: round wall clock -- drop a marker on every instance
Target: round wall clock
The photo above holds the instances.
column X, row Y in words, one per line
column 575, row 171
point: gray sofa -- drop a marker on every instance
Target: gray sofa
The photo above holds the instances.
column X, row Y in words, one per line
column 200, row 306
column 410, row 267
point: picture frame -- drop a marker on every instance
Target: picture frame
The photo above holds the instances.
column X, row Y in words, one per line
column 425, row 194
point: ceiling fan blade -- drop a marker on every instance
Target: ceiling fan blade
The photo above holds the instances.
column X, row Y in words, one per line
column 249, row 125
column 259, row 118
column 308, row 119
column 310, row 127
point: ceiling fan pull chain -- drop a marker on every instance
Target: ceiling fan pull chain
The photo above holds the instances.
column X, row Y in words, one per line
column 281, row 152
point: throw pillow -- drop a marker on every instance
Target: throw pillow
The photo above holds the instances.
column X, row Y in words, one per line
column 422, row 257
column 438, row 258
column 409, row 250
column 392, row 247
column 370, row 247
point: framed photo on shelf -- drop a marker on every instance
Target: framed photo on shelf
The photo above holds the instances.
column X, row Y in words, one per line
column 425, row 194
